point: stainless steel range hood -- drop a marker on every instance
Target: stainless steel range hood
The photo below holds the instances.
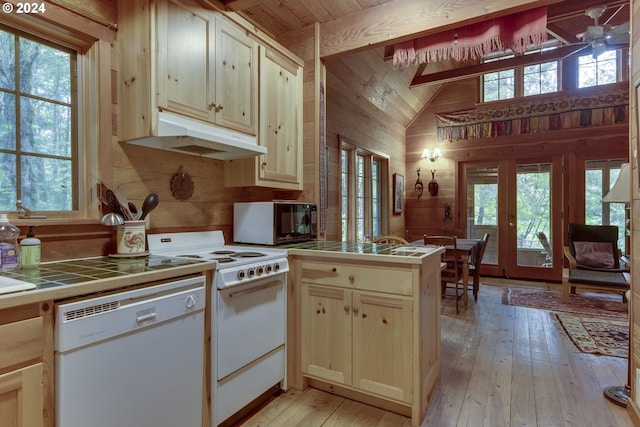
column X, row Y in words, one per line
column 187, row 136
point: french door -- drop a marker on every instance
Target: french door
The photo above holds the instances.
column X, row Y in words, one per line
column 519, row 204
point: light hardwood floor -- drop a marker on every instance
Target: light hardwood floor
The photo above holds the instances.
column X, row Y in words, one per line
column 501, row 366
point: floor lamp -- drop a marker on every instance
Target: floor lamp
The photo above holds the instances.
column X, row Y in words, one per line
column 621, row 193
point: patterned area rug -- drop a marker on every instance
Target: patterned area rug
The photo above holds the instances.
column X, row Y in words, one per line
column 597, row 336
column 591, row 304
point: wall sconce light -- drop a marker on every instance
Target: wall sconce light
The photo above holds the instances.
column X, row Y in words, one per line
column 427, row 155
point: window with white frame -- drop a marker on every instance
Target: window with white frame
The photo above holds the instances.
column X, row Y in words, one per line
column 363, row 188
column 529, row 80
column 540, row 78
column 600, row 70
column 499, row 85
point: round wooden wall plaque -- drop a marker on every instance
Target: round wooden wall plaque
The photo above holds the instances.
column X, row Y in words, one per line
column 182, row 185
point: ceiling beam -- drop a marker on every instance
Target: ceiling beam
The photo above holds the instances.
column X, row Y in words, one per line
column 560, row 34
column 238, row 5
column 489, row 67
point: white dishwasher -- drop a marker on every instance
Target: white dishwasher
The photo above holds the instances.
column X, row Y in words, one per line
column 132, row 358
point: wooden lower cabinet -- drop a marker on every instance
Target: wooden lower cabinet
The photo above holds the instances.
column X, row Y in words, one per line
column 21, row 397
column 368, row 330
column 358, row 339
column 26, row 365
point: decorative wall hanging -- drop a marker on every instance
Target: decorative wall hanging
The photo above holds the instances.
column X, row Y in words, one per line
column 519, row 32
column 398, row 194
column 433, row 185
column 419, row 188
column 560, row 112
column 182, row 185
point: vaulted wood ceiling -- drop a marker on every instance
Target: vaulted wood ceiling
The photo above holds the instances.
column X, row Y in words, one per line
column 357, row 35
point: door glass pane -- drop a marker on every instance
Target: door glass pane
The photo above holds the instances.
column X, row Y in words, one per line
column 482, row 205
column 533, row 193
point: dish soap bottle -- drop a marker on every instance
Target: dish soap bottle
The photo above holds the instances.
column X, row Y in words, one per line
column 30, row 250
column 9, row 251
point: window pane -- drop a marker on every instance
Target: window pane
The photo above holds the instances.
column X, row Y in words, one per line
column 7, row 61
column 533, row 187
column 45, row 71
column 46, row 183
column 600, row 176
column 45, row 127
column 8, row 193
column 7, row 121
column 345, row 192
column 491, row 91
column 360, row 193
column 375, row 198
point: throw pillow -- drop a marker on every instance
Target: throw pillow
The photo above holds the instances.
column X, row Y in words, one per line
column 594, row 254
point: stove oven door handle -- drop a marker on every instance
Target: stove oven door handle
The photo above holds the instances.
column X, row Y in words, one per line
column 256, row 289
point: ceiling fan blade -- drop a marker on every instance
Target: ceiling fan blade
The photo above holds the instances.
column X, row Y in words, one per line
column 620, row 29
column 617, row 39
column 581, row 48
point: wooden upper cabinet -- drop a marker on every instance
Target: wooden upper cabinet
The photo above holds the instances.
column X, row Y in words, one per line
column 280, row 128
column 179, row 57
column 236, row 78
column 186, row 43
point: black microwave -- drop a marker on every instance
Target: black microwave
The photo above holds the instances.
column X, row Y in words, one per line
column 274, row 223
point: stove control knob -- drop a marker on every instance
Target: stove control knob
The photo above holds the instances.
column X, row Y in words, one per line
column 260, row 270
column 251, row 272
column 276, row 267
column 241, row 275
column 268, row 268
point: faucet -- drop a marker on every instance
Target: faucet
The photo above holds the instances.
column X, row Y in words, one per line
column 27, row 212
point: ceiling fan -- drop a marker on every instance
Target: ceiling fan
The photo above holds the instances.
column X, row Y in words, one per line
column 598, row 36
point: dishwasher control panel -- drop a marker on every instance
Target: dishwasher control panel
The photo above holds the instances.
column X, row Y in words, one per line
column 95, row 319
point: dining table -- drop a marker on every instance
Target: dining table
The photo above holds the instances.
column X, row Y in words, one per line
column 468, row 249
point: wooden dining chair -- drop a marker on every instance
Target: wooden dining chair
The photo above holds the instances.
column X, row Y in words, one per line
column 474, row 267
column 392, row 240
column 452, row 271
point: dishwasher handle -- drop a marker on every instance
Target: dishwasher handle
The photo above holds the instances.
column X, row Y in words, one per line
column 143, row 317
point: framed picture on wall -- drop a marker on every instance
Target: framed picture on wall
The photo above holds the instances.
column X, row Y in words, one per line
column 398, row 194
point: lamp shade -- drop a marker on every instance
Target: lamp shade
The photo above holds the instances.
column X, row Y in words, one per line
column 621, row 190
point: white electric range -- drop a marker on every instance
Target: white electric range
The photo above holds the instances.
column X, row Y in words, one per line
column 248, row 312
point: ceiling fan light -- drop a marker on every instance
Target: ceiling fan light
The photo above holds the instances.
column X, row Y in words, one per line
column 595, row 12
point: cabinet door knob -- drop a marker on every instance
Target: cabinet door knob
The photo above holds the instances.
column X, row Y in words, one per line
column 351, row 278
column 355, row 311
column 346, row 309
column 212, row 106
